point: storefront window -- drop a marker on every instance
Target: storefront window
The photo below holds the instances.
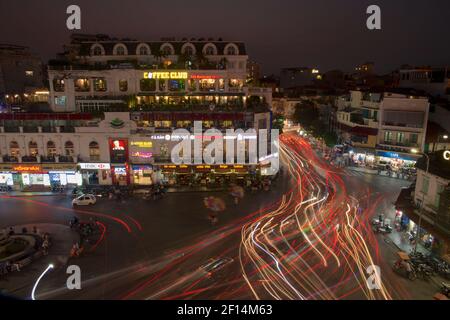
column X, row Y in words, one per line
column 221, row 84
column 99, row 84
column 176, row 85
column 235, row 83
column 191, row 85
column 162, row 85
column 148, row 84
column 207, row 84
column 94, row 151
column 58, row 85
column 123, row 85
column 82, row 85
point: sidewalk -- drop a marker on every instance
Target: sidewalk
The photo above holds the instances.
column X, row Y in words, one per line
column 19, row 283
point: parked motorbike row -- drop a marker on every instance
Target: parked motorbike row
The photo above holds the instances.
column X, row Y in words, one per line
column 416, row 265
column 430, row 265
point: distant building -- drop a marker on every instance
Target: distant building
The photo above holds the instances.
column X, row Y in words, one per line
column 298, row 77
column 253, row 72
column 434, row 81
column 21, row 75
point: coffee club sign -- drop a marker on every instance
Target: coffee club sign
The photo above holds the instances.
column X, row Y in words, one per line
column 446, row 155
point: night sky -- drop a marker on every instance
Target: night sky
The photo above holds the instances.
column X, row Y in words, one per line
column 328, row 34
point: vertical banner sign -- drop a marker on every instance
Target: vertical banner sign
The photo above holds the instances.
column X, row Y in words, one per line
column 118, row 149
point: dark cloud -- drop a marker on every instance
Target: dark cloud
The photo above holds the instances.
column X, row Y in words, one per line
column 323, row 33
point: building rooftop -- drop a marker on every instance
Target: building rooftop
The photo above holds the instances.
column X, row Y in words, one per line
column 439, row 166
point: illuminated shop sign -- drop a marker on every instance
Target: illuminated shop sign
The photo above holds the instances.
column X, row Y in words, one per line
column 21, row 168
column 118, row 150
column 447, row 155
column 142, row 144
column 205, row 76
column 142, row 154
column 95, row 166
column 165, row 75
column 121, row 171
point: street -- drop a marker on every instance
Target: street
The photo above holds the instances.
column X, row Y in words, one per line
column 303, row 239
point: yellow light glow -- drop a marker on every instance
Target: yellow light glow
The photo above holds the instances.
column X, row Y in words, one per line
column 165, row 75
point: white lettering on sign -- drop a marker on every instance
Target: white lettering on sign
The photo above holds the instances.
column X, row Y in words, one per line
column 447, row 155
column 95, row 166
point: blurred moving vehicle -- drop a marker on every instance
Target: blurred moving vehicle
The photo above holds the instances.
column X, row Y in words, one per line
column 84, row 200
column 216, row 266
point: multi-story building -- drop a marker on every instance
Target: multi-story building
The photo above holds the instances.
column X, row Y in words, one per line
column 38, row 150
column 434, row 81
column 99, row 72
column 21, row 76
column 402, row 128
column 387, row 127
column 253, row 72
column 428, row 201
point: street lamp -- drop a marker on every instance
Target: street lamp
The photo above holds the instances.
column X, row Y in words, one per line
column 423, row 198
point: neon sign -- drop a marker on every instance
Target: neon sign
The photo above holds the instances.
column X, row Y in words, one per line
column 26, row 168
column 141, row 154
column 165, row 75
column 142, row 144
column 201, row 76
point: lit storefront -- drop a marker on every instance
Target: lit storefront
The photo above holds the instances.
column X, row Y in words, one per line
column 142, row 174
column 362, row 157
column 25, row 175
column 396, row 160
column 95, row 173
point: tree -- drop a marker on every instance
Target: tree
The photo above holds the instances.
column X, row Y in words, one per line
column 307, row 115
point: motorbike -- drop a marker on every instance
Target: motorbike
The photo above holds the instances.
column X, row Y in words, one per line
column 445, row 289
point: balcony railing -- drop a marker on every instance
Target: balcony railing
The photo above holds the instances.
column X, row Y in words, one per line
column 47, row 159
column 10, row 159
column 66, row 159
column 29, row 159
column 405, row 144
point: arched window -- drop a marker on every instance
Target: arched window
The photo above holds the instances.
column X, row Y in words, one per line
column 94, row 151
column 97, row 50
column 120, row 50
column 167, row 50
column 51, row 149
column 210, row 50
column 188, row 49
column 33, row 148
column 14, row 149
column 143, row 49
column 231, row 51
column 68, row 148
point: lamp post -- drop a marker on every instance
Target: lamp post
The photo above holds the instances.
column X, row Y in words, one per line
column 423, row 198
